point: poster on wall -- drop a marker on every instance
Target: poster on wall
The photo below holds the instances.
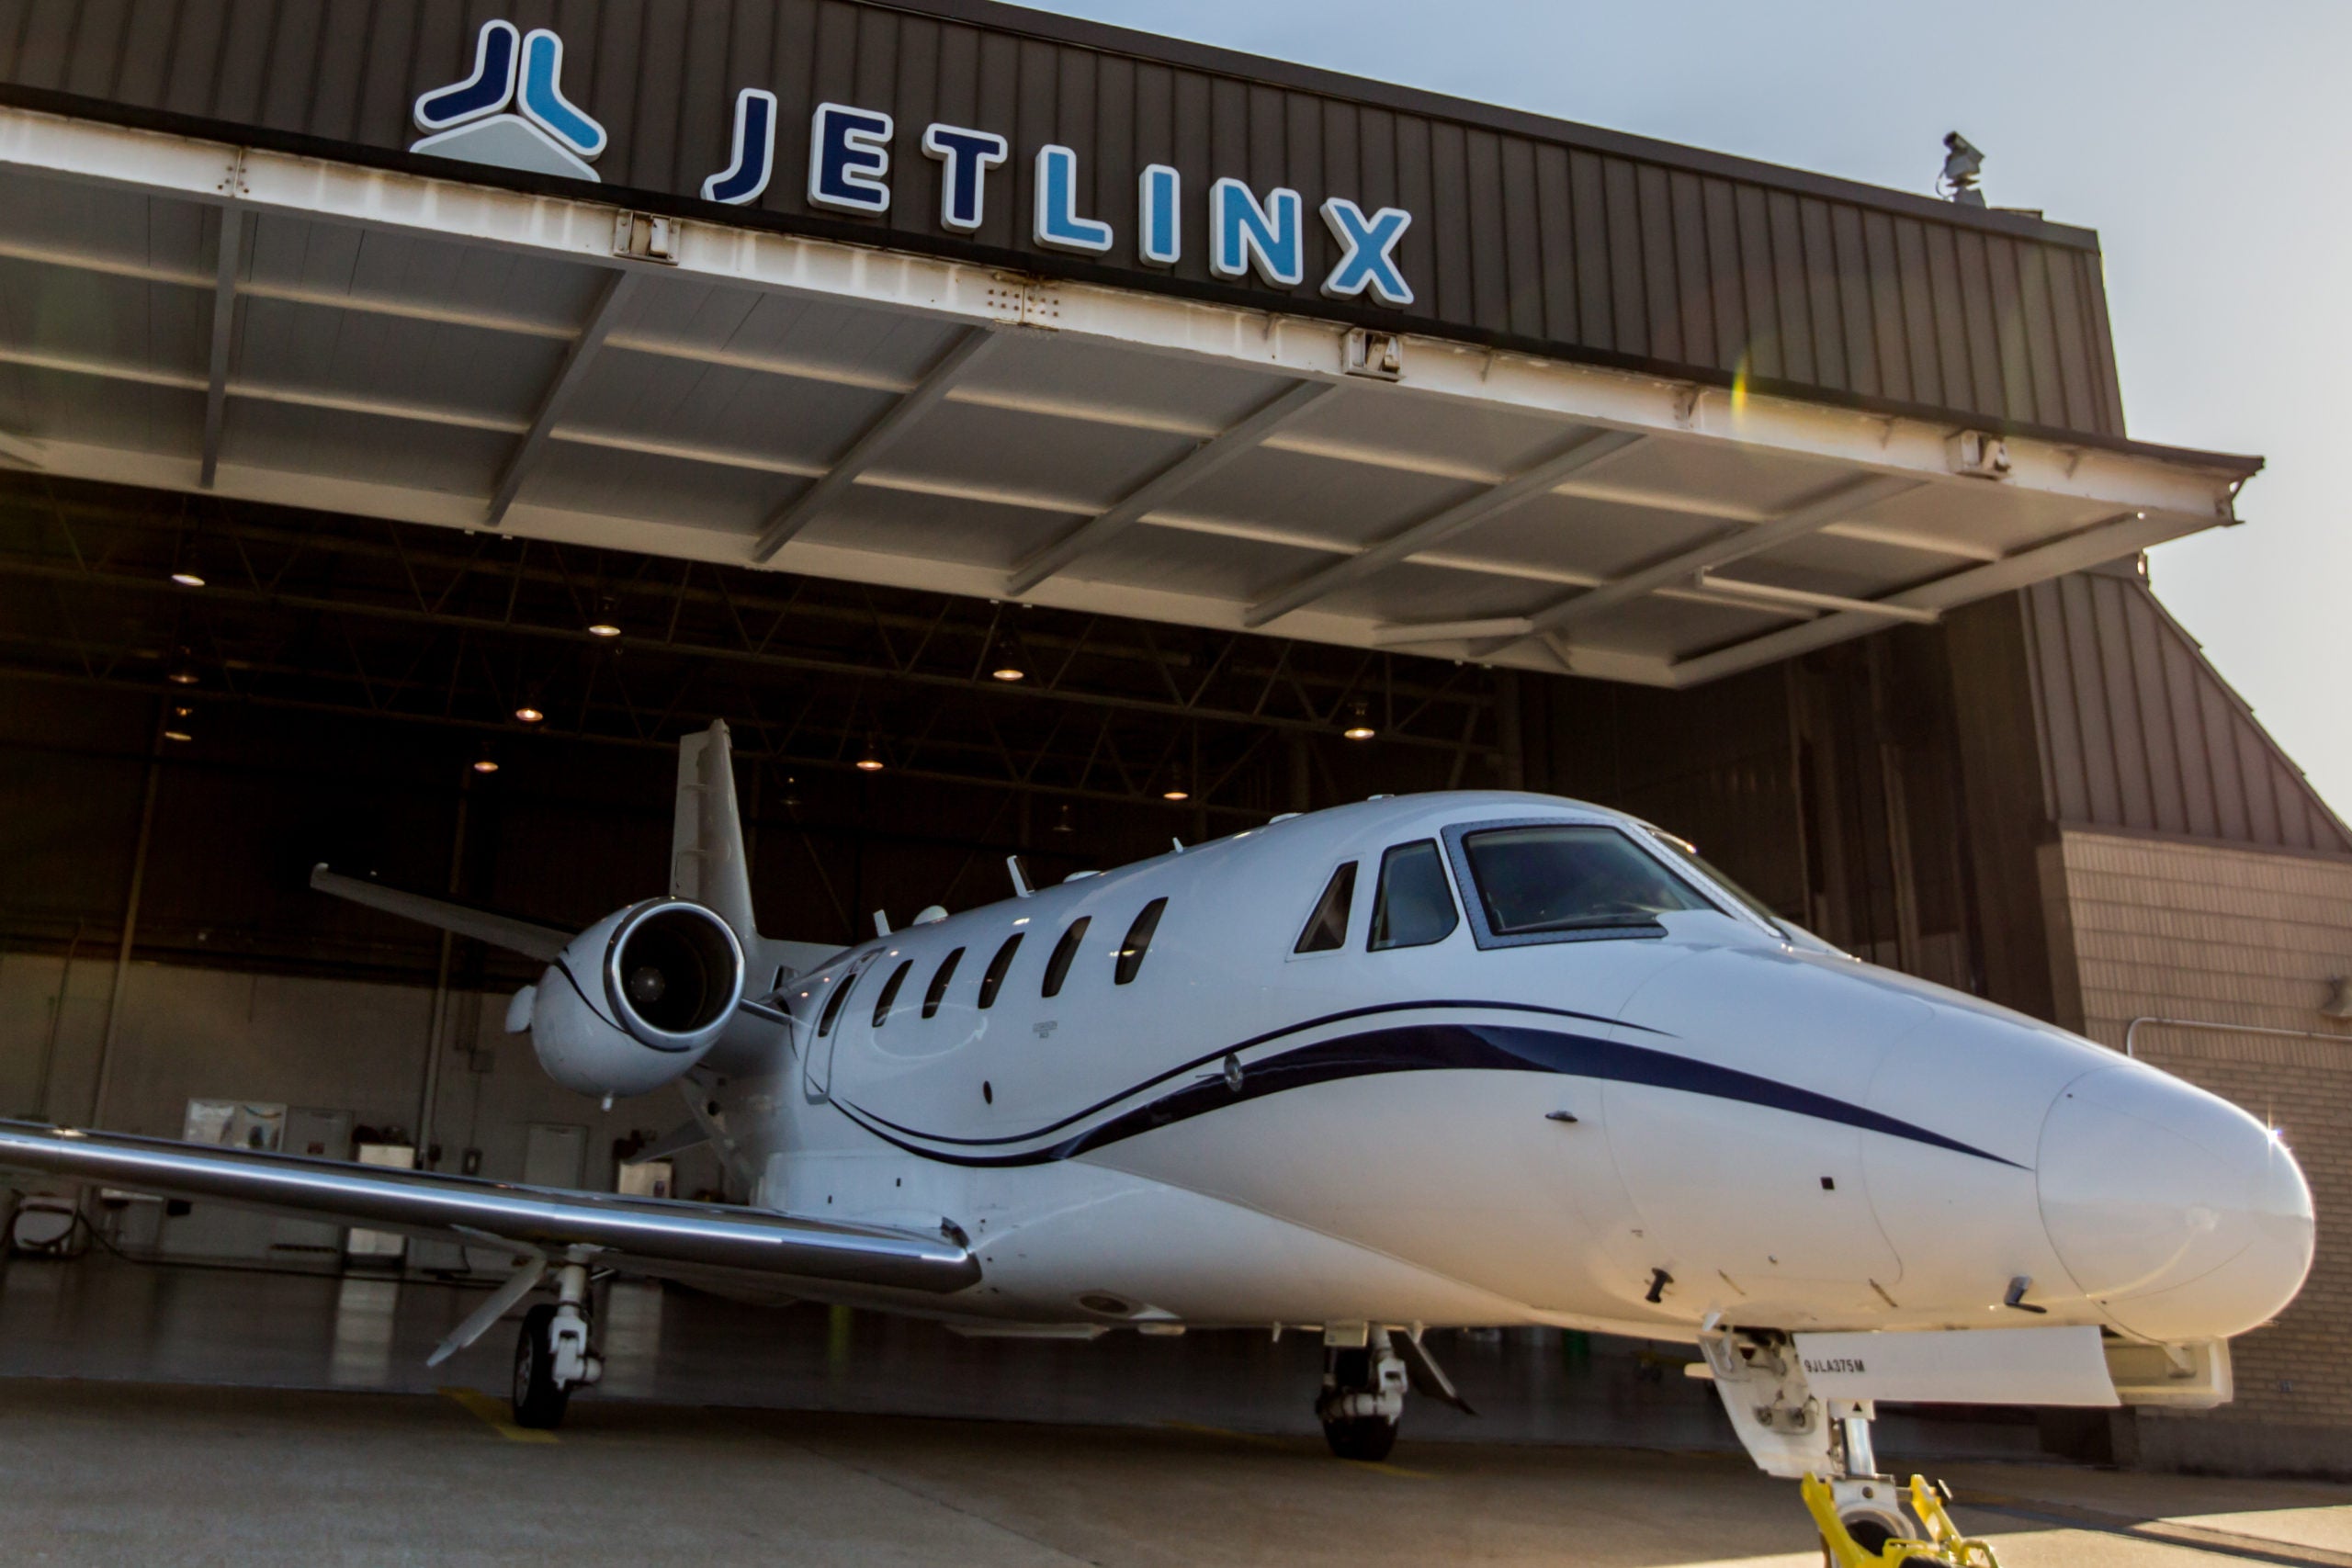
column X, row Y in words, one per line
column 235, row 1123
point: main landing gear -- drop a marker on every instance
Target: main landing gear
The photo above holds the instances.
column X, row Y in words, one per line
column 1866, row 1518
column 1364, row 1392
column 1366, row 1371
column 551, row 1354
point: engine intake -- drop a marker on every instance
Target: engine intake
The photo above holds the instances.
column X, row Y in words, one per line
column 672, row 973
column 637, row 997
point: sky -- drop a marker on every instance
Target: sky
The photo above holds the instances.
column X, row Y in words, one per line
column 2210, row 144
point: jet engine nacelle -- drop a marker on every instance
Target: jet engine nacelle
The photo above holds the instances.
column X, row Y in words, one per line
column 638, row 999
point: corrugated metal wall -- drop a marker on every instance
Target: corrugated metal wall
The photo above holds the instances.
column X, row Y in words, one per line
column 1527, row 232
column 2139, row 731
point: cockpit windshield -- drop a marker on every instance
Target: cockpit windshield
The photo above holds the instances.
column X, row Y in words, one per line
column 1570, row 877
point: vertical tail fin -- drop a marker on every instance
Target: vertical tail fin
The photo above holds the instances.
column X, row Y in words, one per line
column 706, row 860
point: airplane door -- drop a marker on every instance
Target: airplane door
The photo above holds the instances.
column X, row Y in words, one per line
column 817, row 1057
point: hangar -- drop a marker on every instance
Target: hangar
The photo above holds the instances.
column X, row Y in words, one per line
column 413, row 426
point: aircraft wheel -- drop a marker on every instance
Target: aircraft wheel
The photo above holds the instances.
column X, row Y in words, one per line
column 1872, row 1531
column 539, row 1401
column 1365, row 1438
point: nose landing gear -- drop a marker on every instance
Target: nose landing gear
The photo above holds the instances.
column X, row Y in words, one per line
column 1874, row 1524
column 1866, row 1520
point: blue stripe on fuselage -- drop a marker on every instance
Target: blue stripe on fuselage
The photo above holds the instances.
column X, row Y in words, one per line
column 1423, row 1047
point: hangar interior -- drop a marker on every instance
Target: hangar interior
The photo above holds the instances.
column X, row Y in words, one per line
column 362, row 509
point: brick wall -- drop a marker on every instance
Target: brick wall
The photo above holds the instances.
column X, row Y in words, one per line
column 2146, row 927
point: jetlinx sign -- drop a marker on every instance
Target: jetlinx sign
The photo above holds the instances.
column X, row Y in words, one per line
column 510, row 113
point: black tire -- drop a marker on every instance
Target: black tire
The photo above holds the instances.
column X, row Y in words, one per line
column 537, row 1401
column 1366, row 1439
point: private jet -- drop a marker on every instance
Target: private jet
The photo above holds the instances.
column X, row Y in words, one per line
column 1455, row 1059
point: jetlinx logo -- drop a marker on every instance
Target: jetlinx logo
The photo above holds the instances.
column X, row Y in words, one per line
column 510, row 113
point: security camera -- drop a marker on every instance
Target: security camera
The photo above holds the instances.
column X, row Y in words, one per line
column 1962, row 165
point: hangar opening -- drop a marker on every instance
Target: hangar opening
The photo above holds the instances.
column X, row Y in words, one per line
column 396, row 495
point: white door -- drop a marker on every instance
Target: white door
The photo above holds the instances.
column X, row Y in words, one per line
column 553, row 1155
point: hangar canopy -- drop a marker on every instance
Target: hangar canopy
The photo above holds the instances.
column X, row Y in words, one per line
column 1602, row 406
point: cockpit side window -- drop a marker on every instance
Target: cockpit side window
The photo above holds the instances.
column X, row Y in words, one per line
column 1412, row 907
column 1058, row 966
column 938, row 992
column 993, row 981
column 1558, row 880
column 890, row 991
column 1327, row 929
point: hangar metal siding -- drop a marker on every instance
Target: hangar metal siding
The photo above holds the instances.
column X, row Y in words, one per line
column 1527, row 233
column 2140, row 732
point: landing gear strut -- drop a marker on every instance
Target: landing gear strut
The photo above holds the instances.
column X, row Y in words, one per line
column 1866, row 1520
column 1364, row 1392
column 551, row 1354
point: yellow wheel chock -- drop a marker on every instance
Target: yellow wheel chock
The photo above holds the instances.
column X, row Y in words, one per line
column 1945, row 1545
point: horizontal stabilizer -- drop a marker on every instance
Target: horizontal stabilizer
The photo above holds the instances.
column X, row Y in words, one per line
column 652, row 1235
column 514, row 934
column 677, row 1141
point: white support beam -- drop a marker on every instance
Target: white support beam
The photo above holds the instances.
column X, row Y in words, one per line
column 1429, row 634
column 1190, row 468
column 797, row 514
column 23, row 452
column 1732, row 545
column 1771, row 596
column 2103, row 542
column 1596, row 448
column 224, row 338
column 602, row 315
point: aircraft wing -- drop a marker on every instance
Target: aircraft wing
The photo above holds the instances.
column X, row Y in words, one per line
column 651, row 1236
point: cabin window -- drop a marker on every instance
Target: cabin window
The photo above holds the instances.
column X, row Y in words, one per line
column 993, row 981
column 1565, row 877
column 1058, row 966
column 833, row 1003
column 1327, row 929
column 1412, row 907
column 1139, row 941
column 890, row 991
column 938, row 991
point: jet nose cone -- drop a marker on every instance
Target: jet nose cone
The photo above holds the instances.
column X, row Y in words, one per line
column 2181, row 1215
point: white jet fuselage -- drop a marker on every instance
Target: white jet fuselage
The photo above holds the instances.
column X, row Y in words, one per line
column 1630, row 1127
